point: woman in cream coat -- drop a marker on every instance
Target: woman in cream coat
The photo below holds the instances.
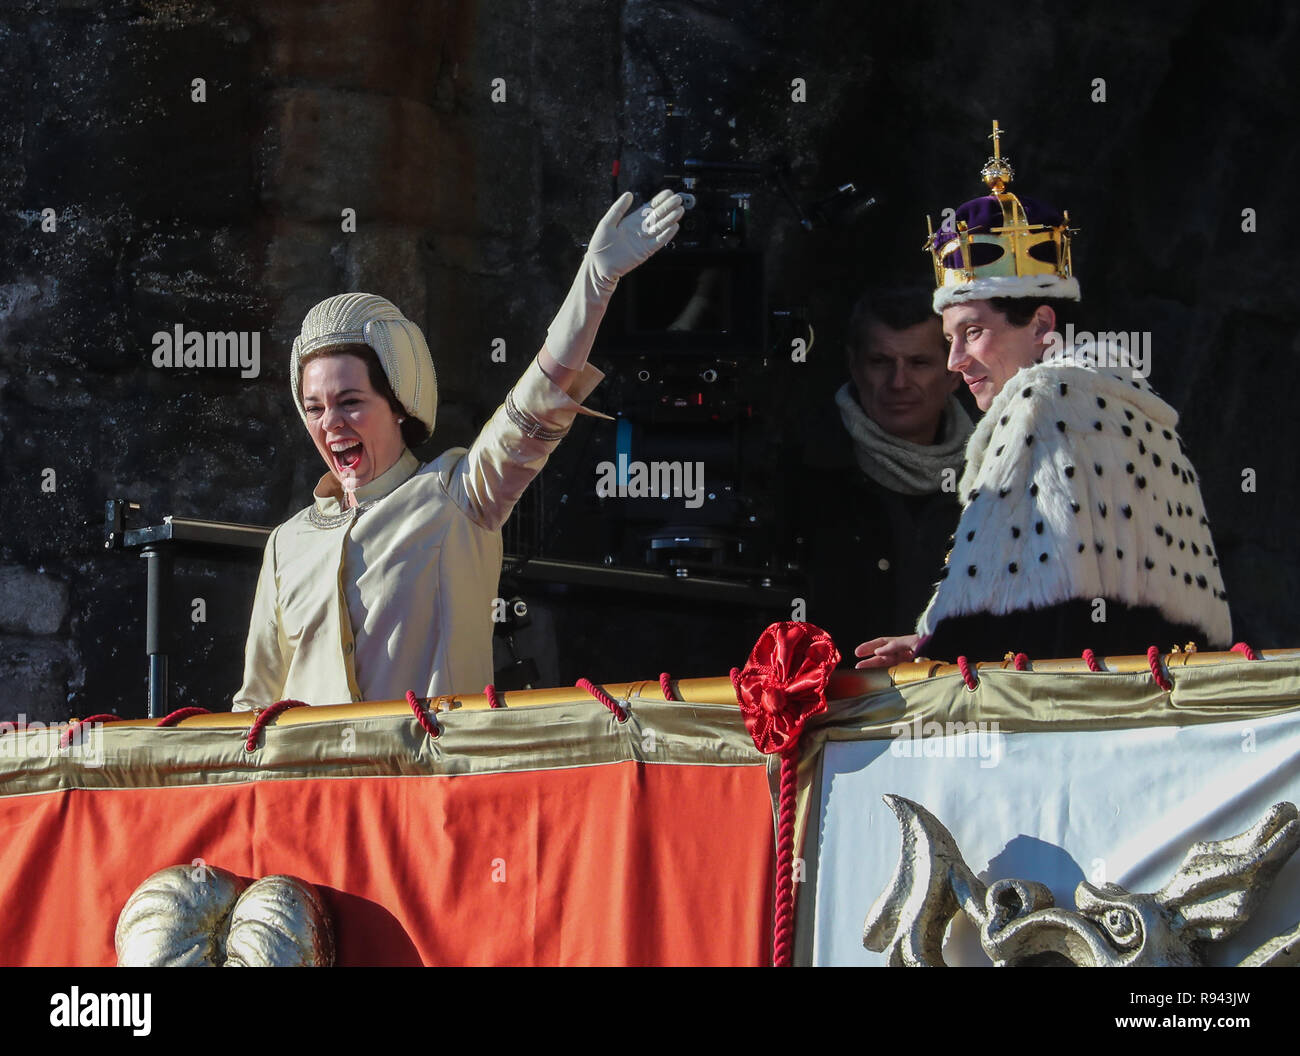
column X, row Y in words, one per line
column 385, row 583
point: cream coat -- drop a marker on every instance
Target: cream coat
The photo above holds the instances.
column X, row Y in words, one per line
column 399, row 596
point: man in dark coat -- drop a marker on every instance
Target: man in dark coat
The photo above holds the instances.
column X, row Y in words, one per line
column 887, row 481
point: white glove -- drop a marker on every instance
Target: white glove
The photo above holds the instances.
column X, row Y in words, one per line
column 618, row 245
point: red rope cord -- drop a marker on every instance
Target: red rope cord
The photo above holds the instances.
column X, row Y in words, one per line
column 490, row 691
column 735, row 681
column 967, row 675
column 1022, row 662
column 265, row 716
column 426, row 720
column 666, row 684
column 1090, row 658
column 1245, row 650
column 619, row 711
column 783, row 924
column 1153, row 661
column 65, row 738
column 180, row 713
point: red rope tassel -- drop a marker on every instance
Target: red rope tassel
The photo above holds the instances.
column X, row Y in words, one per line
column 782, row 687
column 967, row 675
column 619, row 711
column 1090, row 658
column 666, row 684
column 180, row 713
column 264, row 717
column 427, row 722
column 1153, row 660
column 65, row 738
column 490, row 691
column 1022, row 662
column 783, row 925
column 1245, row 650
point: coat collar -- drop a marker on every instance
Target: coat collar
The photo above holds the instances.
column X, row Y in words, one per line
column 328, row 493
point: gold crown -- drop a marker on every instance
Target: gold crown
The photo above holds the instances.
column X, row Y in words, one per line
column 993, row 238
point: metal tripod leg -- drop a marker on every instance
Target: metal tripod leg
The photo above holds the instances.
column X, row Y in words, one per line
column 159, row 569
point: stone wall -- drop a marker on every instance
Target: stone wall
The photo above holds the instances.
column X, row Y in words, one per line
column 226, row 214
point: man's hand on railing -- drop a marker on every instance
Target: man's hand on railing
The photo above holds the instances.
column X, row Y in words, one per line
column 887, row 651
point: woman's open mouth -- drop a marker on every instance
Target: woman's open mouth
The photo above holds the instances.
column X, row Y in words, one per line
column 347, row 454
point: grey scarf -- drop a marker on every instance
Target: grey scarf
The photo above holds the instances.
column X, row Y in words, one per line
column 900, row 465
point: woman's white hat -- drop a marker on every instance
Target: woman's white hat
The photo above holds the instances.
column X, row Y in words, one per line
column 363, row 318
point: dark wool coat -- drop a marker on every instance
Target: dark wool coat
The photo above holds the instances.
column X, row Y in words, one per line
column 872, row 554
column 869, row 554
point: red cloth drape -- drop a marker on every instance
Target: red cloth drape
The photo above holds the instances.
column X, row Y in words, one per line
column 623, row 863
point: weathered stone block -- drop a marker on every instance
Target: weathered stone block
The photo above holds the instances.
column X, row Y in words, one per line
column 30, row 602
column 391, row 159
column 36, row 673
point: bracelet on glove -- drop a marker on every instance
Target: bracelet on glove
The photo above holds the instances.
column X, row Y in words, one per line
column 527, row 424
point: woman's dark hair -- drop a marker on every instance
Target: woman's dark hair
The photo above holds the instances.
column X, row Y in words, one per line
column 1020, row 310
column 414, row 431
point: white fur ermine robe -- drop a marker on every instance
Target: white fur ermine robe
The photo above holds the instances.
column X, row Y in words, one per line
column 1076, row 487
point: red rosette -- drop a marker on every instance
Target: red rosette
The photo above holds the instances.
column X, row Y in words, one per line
column 784, row 683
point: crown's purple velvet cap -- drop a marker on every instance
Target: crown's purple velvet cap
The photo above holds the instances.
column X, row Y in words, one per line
column 984, row 213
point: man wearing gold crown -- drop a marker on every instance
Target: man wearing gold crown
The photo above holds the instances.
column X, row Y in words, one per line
column 1082, row 522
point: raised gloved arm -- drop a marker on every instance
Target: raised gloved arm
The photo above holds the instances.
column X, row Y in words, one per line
column 619, row 244
column 516, row 442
